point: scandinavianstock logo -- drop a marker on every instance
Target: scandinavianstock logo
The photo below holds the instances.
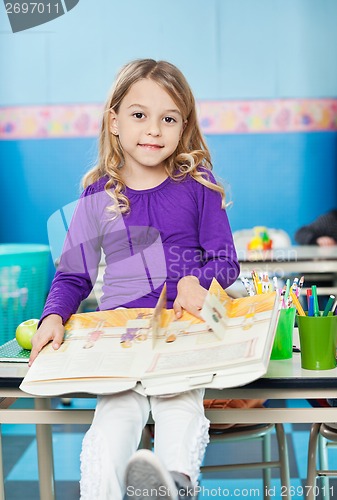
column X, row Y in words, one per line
column 133, row 264
column 25, row 15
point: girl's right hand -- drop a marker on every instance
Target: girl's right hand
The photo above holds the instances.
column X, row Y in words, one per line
column 51, row 328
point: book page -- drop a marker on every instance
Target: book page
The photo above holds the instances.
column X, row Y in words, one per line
column 202, row 358
column 81, row 357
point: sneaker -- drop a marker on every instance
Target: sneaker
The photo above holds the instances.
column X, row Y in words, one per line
column 146, row 478
column 184, row 486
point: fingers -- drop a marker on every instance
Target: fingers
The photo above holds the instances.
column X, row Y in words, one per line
column 58, row 338
column 324, row 241
column 177, row 309
column 38, row 341
column 38, row 346
column 41, row 339
column 189, row 307
column 195, row 311
column 34, row 352
column 191, row 296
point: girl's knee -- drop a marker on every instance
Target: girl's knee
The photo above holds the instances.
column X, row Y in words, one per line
column 187, row 402
column 127, row 409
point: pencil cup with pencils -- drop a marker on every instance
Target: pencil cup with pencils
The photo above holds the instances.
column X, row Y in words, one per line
column 283, row 340
column 318, row 340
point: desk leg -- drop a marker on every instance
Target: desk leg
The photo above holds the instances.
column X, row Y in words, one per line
column 2, row 479
column 312, row 469
column 4, row 404
column 45, row 453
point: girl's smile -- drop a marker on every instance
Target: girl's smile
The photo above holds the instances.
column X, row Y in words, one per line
column 151, row 146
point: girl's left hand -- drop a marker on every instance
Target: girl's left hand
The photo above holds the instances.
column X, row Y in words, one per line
column 191, row 296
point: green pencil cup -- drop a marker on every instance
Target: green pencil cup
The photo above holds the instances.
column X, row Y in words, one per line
column 283, row 340
column 318, row 339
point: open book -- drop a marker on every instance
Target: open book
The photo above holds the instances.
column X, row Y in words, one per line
column 111, row 351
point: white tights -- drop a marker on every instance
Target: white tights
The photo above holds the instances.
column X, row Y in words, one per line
column 181, row 436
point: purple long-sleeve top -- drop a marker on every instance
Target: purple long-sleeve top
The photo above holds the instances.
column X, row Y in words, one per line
column 175, row 229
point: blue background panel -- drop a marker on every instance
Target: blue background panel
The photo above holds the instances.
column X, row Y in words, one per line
column 277, row 180
column 228, row 49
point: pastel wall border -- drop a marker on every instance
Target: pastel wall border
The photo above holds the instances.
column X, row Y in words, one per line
column 216, row 117
column 268, row 116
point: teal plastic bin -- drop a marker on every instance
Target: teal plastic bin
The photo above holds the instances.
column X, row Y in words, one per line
column 23, row 285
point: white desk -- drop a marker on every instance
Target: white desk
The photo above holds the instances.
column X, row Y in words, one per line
column 314, row 262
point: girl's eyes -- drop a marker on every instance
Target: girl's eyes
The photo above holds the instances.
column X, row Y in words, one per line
column 167, row 119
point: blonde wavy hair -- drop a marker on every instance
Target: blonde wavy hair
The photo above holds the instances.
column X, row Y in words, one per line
column 191, row 151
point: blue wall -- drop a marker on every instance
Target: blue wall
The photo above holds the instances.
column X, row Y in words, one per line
column 228, row 49
column 278, row 180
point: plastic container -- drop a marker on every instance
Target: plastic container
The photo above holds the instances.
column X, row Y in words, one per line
column 23, row 285
column 318, row 339
column 283, row 340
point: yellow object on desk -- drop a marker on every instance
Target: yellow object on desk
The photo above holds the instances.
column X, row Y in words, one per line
column 297, row 304
column 260, row 239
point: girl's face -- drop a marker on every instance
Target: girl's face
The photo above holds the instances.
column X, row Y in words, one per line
column 149, row 125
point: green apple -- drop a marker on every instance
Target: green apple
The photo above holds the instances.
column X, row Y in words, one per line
column 25, row 332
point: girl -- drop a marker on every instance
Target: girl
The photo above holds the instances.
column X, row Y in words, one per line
column 153, row 207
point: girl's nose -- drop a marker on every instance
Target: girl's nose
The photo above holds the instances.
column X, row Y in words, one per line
column 153, row 128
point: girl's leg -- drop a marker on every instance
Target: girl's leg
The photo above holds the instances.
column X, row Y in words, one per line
column 181, row 432
column 110, row 442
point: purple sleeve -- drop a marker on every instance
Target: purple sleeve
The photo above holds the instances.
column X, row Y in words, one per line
column 215, row 236
column 78, row 266
column 66, row 294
